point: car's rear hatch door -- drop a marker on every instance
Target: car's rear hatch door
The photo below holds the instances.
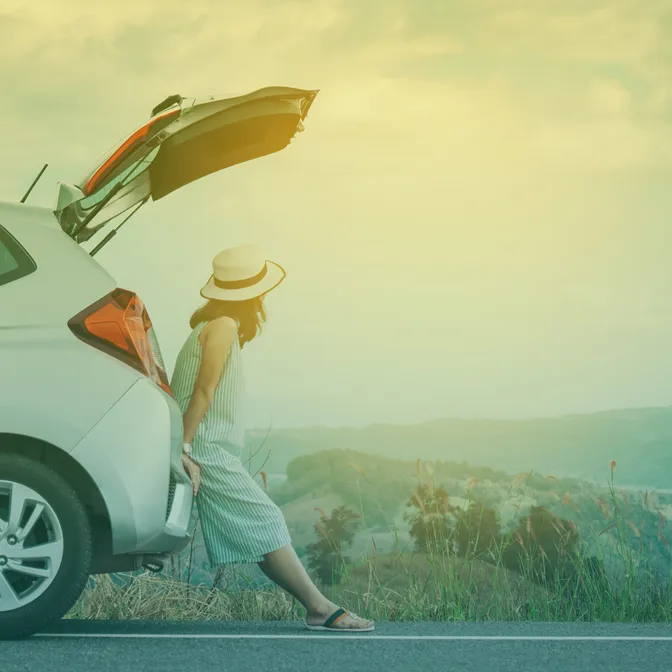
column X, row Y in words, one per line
column 184, row 140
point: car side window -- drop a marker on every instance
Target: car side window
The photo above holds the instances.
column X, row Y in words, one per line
column 15, row 262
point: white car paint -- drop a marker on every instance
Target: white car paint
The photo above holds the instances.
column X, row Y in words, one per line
column 118, row 425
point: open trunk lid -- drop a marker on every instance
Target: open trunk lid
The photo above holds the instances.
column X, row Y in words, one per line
column 184, row 140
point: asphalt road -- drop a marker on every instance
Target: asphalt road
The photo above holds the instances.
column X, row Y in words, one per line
column 99, row 646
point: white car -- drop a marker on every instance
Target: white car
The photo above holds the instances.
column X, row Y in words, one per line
column 90, row 437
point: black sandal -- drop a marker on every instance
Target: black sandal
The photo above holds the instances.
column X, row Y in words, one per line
column 335, row 618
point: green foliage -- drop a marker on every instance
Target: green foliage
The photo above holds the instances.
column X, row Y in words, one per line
column 430, row 527
column 325, row 556
column 568, row 550
column 543, row 544
column 477, row 530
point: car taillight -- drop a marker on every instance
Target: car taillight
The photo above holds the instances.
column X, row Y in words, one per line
column 119, row 325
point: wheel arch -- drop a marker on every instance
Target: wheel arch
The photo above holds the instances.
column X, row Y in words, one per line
column 75, row 475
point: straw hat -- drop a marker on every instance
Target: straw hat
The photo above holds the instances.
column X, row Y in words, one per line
column 241, row 273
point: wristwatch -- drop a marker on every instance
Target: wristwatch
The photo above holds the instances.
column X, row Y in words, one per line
column 186, row 448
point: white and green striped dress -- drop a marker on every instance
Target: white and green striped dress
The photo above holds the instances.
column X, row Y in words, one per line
column 240, row 523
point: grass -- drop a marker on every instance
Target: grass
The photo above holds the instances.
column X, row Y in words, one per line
column 400, row 587
column 403, row 587
column 411, row 586
column 156, row 597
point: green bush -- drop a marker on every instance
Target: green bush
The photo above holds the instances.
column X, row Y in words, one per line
column 326, row 556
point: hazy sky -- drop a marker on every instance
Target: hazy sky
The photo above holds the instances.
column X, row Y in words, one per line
column 477, row 220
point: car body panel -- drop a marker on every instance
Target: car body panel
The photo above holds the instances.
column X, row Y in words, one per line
column 58, row 286
column 45, row 368
column 130, row 454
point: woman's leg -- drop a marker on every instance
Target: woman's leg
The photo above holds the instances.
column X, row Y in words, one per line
column 284, row 568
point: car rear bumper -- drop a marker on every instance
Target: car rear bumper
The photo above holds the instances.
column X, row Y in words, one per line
column 134, row 456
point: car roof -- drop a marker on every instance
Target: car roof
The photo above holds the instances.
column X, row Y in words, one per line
column 59, row 259
column 15, row 215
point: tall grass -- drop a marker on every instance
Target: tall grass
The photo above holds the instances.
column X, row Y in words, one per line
column 437, row 585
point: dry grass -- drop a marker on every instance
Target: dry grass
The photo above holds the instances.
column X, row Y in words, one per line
column 401, row 587
column 154, row 597
column 415, row 587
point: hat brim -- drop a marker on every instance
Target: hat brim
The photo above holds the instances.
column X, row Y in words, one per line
column 274, row 276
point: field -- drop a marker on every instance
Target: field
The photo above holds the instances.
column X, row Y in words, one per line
column 386, row 576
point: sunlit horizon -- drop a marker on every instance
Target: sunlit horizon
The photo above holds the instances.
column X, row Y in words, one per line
column 475, row 222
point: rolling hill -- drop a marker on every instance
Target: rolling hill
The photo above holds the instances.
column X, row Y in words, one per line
column 378, row 490
column 579, row 446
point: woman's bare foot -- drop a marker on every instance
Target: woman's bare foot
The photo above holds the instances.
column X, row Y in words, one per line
column 349, row 621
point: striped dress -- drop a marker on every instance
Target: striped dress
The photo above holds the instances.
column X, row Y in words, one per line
column 240, row 523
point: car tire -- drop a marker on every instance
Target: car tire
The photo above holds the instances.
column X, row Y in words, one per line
column 66, row 522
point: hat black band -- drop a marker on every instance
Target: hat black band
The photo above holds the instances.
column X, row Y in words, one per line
column 241, row 284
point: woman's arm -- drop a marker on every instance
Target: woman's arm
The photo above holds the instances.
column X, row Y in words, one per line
column 216, row 340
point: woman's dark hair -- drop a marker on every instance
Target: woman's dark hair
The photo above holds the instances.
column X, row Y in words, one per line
column 250, row 315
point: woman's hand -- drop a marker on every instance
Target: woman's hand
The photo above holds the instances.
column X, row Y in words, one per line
column 194, row 472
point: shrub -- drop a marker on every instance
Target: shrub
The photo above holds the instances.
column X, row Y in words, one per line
column 477, row 530
column 543, row 544
column 325, row 556
column 430, row 528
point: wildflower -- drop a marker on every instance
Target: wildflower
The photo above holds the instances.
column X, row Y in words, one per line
column 520, row 540
column 633, row 527
column 606, row 529
column 519, row 478
column 418, row 500
column 529, row 529
column 603, row 506
column 625, row 499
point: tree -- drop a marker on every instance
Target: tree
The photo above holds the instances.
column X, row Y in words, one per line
column 430, row 529
column 476, row 530
column 325, row 556
column 544, row 542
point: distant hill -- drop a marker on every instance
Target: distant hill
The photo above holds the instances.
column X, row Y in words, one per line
column 379, row 489
column 580, row 446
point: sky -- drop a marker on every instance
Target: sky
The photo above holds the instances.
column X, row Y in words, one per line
column 475, row 222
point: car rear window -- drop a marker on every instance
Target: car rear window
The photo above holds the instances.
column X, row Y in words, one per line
column 15, row 262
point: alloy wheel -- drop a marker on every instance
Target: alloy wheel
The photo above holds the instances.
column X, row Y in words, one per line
column 31, row 545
